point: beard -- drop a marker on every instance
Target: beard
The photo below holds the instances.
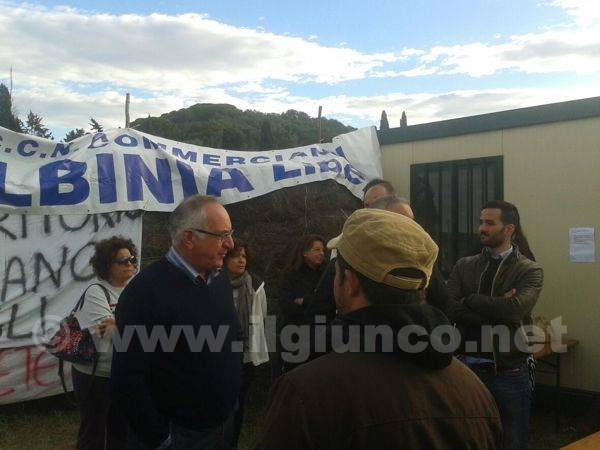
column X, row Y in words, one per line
column 492, row 240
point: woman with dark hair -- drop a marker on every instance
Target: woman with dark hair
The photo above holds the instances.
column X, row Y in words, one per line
column 297, row 292
column 251, row 305
column 303, row 274
column 114, row 264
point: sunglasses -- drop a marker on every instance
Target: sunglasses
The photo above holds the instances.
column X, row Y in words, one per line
column 124, row 261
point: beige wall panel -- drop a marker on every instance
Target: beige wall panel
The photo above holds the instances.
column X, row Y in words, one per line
column 468, row 146
column 396, row 161
column 552, row 173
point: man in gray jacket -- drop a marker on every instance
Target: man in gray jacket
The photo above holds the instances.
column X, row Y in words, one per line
column 491, row 297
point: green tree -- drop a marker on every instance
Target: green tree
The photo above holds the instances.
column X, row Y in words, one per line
column 225, row 126
column 74, row 134
column 403, row 121
column 95, row 127
column 383, row 123
column 233, row 139
column 7, row 118
column 159, row 126
column 34, row 125
column 266, row 136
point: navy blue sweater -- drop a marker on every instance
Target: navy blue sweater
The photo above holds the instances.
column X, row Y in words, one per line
column 188, row 385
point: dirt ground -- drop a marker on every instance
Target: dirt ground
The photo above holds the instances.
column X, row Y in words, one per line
column 52, row 423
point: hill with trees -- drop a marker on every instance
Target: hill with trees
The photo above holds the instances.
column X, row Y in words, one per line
column 225, row 126
column 206, row 124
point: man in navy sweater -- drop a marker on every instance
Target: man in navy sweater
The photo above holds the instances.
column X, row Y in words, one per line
column 177, row 364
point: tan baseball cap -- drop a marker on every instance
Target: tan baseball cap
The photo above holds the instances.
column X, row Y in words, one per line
column 375, row 242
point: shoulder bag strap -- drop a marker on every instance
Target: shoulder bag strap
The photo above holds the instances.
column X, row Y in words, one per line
column 81, row 300
column 95, row 366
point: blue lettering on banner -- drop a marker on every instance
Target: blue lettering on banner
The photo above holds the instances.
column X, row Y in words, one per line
column 160, row 186
column 340, row 152
column 309, row 169
column 148, row 144
column 317, row 152
column 349, row 170
column 262, row 159
column 192, row 156
column 237, row 180
column 98, row 140
column 131, row 141
column 23, row 144
column 107, row 184
column 278, row 158
column 9, row 198
column 210, row 160
column 325, row 166
column 188, row 182
column 298, row 154
column 50, row 182
column 151, row 145
column 231, row 160
column 279, row 172
column 62, row 149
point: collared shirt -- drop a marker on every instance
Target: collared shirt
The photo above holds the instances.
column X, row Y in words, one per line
column 178, row 261
column 504, row 254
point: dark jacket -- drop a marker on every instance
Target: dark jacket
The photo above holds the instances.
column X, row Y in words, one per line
column 383, row 399
column 437, row 292
column 322, row 302
column 298, row 284
column 471, row 309
column 189, row 385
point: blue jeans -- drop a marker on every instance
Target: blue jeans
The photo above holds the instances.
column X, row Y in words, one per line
column 210, row 437
column 214, row 436
column 512, row 391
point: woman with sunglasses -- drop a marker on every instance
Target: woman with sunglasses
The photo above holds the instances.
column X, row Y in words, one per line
column 114, row 264
column 250, row 302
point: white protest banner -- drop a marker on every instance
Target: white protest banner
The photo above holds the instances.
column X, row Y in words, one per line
column 124, row 170
column 44, row 268
column 29, row 372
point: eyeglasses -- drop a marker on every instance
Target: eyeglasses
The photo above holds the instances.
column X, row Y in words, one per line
column 124, row 261
column 220, row 236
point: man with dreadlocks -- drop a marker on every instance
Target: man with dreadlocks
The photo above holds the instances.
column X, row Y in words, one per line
column 491, row 296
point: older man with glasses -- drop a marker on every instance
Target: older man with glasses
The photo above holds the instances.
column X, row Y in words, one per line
column 178, row 390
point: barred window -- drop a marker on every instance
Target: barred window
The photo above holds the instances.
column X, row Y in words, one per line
column 447, row 197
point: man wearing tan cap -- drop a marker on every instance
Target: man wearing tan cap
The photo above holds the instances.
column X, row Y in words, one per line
column 391, row 380
column 436, row 293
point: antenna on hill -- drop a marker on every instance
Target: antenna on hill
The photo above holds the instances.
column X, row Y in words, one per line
column 320, row 136
column 11, row 81
column 127, row 97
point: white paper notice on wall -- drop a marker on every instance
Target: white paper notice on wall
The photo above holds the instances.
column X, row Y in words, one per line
column 582, row 248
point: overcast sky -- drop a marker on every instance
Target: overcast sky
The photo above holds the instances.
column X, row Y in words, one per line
column 73, row 60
